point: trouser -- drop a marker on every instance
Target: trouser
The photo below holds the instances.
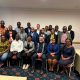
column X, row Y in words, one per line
column 4, row 57
column 43, row 60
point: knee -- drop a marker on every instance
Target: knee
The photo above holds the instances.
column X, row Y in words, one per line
column 49, row 60
column 54, row 61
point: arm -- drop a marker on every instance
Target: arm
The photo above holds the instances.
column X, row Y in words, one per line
column 56, row 50
column 48, row 49
column 21, row 47
column 32, row 47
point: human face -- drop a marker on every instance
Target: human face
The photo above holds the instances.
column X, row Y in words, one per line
column 18, row 24
column 22, row 29
column 28, row 24
column 29, row 38
column 69, row 28
column 52, row 31
column 10, row 27
column 64, row 29
column 32, row 30
column 41, row 39
column 17, row 37
column 53, row 41
column 38, row 26
column 3, row 38
column 68, row 42
column 2, row 23
column 56, row 28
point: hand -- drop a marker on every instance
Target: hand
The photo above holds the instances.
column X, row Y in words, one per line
column 39, row 54
column 52, row 54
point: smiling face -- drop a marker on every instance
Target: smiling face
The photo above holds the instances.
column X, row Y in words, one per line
column 68, row 42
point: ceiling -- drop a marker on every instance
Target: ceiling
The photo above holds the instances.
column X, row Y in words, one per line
column 41, row 4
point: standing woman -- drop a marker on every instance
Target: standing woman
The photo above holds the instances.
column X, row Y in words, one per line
column 53, row 52
column 28, row 52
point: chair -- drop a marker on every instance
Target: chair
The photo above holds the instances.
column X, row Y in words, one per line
column 14, row 58
column 70, row 66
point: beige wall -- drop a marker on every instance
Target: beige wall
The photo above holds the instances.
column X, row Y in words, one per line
column 43, row 17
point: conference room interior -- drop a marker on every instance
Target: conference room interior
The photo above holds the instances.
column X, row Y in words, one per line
column 40, row 39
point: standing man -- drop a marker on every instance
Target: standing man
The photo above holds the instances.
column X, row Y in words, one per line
column 71, row 32
column 28, row 29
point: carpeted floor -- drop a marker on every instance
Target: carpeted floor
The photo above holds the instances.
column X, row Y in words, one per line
column 17, row 71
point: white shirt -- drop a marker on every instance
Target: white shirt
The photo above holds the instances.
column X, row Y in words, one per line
column 16, row 46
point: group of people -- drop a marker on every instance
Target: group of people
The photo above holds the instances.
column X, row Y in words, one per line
column 28, row 44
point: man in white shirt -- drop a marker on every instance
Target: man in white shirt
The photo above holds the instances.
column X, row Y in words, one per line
column 16, row 47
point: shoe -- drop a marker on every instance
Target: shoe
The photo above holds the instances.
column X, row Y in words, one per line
column 24, row 66
column 27, row 66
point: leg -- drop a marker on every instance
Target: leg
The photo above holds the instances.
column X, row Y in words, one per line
column 54, row 62
column 4, row 56
column 49, row 63
column 33, row 60
column 43, row 61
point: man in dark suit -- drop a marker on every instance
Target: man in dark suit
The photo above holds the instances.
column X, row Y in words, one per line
column 71, row 32
column 34, row 35
column 28, row 29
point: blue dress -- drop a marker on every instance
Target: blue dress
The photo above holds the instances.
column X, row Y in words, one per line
column 67, row 52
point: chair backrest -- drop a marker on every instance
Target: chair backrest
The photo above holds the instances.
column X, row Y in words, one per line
column 72, row 64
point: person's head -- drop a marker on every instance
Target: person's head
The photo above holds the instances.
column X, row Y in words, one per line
column 68, row 42
column 46, row 28
column 64, row 29
column 50, row 27
column 10, row 28
column 38, row 26
column 41, row 39
column 17, row 37
column 32, row 29
column 21, row 29
column 3, row 38
column 52, row 41
column 29, row 24
column 18, row 24
column 56, row 28
column 2, row 23
column 69, row 27
column 52, row 31
column 29, row 38
column 42, row 31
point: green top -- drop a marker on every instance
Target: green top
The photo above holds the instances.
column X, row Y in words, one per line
column 3, row 46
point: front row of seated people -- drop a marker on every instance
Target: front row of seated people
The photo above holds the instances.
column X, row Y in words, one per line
column 27, row 51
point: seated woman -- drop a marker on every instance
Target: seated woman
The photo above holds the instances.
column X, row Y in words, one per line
column 67, row 53
column 53, row 51
column 40, row 53
column 4, row 49
column 28, row 52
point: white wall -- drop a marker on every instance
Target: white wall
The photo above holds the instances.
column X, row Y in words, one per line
column 43, row 17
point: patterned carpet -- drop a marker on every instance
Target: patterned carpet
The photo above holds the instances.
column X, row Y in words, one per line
column 17, row 71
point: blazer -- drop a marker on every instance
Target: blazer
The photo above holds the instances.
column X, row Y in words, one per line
column 31, row 47
column 7, row 35
column 72, row 34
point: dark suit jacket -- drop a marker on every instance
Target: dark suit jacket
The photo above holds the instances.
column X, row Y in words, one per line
column 35, row 38
column 72, row 34
column 27, row 30
column 7, row 35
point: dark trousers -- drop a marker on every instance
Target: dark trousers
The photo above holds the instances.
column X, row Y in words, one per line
column 27, row 57
column 34, row 57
